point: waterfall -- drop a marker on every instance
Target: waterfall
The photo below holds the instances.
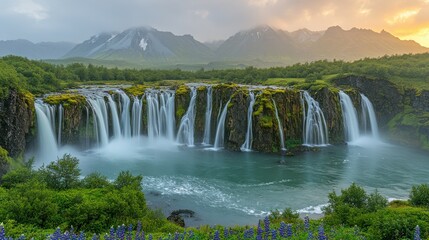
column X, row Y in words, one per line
column 100, row 119
column 186, row 128
column 136, row 116
column 160, row 114
column 315, row 131
column 87, row 128
column 282, row 139
column 115, row 118
column 368, row 112
column 48, row 148
column 350, row 120
column 60, row 123
column 125, row 114
column 220, row 130
column 247, row 145
column 207, row 123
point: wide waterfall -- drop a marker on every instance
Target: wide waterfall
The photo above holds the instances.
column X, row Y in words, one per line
column 136, row 116
column 315, row 131
column 115, row 118
column 368, row 113
column 247, row 145
column 208, row 116
column 282, row 139
column 350, row 120
column 47, row 143
column 125, row 114
column 100, row 119
column 186, row 128
column 220, row 130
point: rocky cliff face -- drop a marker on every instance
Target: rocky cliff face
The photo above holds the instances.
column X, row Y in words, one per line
column 16, row 119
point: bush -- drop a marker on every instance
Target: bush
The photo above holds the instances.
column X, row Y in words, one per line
column 126, row 179
column 95, row 180
column 419, row 195
column 62, row 174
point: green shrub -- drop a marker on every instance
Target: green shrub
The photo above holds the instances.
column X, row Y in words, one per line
column 63, row 173
column 419, row 195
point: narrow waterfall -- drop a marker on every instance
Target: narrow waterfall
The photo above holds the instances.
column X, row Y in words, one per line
column 125, row 114
column 350, row 120
column 282, row 139
column 207, row 123
column 100, row 119
column 369, row 113
column 60, row 123
column 87, row 128
column 220, row 130
column 247, row 145
column 186, row 128
column 136, row 116
column 160, row 114
column 315, row 131
column 48, row 147
column 115, row 118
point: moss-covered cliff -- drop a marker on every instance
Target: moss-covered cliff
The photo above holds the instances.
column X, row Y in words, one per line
column 16, row 120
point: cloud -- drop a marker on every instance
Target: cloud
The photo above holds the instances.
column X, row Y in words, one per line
column 30, row 9
column 202, row 13
column 260, row 3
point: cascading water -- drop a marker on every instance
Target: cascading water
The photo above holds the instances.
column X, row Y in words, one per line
column 315, row 131
column 60, row 123
column 247, row 145
column 208, row 116
column 186, row 128
column 100, row 115
column 136, row 116
column 160, row 114
column 369, row 113
column 220, row 130
column 115, row 118
column 125, row 114
column 282, row 139
column 48, row 148
column 350, row 120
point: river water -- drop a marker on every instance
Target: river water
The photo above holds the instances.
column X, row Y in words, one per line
column 232, row 188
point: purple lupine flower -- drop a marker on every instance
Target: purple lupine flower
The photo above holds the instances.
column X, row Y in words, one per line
column 143, row 237
column 289, row 232
column 22, row 237
column 130, row 232
column 307, row 223
column 176, row 236
column 112, row 233
column 273, row 234
column 81, row 236
column 267, row 225
column 248, row 233
column 191, row 234
column 56, row 235
column 321, row 233
column 2, row 232
column 150, row 236
column 216, row 235
column 259, row 231
column 310, row 235
column 282, row 229
column 94, row 237
column 417, row 233
column 120, row 232
column 225, row 233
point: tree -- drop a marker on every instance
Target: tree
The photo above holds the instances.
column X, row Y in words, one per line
column 419, row 195
column 126, row 179
column 63, row 173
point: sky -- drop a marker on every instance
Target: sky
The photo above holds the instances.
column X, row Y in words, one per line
column 207, row 20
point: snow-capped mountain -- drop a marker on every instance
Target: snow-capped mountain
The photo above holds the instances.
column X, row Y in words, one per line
column 142, row 44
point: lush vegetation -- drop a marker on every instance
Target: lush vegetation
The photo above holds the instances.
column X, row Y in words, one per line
column 53, row 200
column 40, row 77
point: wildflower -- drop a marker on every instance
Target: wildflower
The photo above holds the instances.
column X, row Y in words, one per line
column 94, row 237
column 289, row 232
column 248, row 233
column 216, row 235
column 259, row 231
column 274, row 234
column 322, row 233
column 55, row 236
column 225, row 233
column 267, row 225
column 307, row 223
column 417, row 233
column 81, row 236
column 2, row 232
column 282, row 229
column 310, row 235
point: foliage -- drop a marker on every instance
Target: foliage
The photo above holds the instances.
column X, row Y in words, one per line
column 65, row 99
column 62, row 174
column 419, row 195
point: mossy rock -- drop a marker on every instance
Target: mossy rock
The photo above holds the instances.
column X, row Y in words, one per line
column 136, row 90
column 67, row 99
column 183, row 90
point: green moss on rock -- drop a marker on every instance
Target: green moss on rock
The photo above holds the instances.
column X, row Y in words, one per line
column 66, row 99
column 136, row 90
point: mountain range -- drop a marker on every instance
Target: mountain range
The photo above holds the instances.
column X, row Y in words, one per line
column 147, row 46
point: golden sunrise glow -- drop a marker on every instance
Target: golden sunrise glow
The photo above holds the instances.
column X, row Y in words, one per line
column 422, row 37
column 403, row 16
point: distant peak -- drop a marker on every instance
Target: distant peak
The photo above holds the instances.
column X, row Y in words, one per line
column 141, row 28
column 334, row 28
